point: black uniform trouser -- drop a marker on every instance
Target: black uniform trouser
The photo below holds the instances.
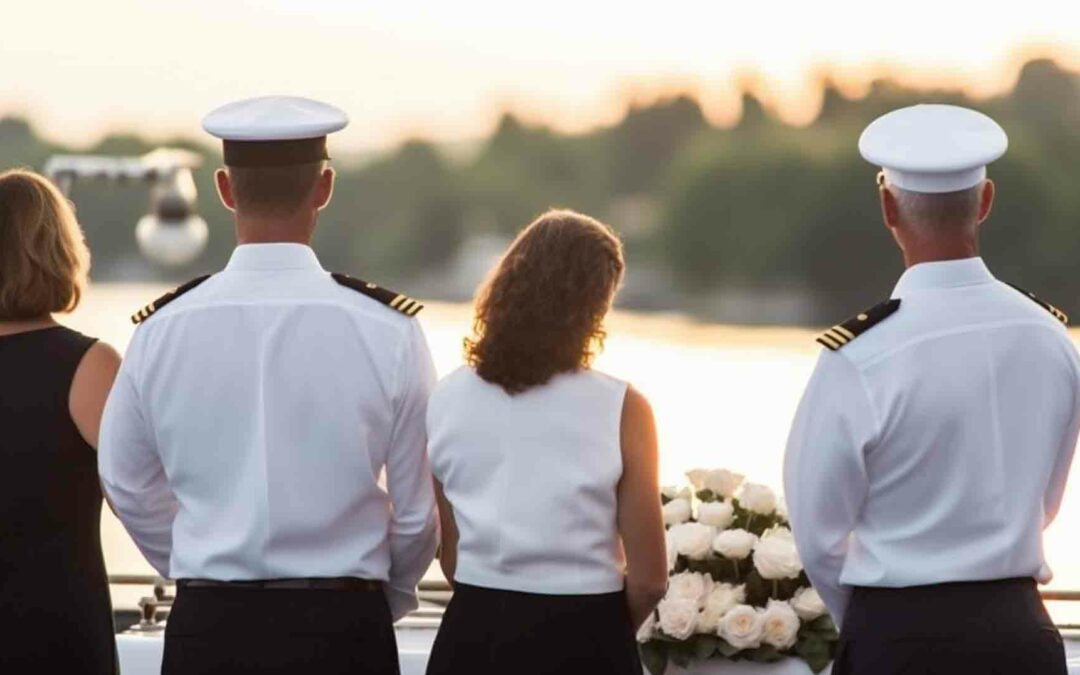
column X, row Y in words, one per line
column 235, row 631
column 981, row 628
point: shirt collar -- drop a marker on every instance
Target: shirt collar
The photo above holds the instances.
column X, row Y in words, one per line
column 267, row 257
column 943, row 274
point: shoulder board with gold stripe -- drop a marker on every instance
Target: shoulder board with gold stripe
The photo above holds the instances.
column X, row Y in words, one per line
column 843, row 333
column 402, row 303
column 148, row 311
column 1058, row 314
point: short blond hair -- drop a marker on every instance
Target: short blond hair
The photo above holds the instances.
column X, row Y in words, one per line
column 43, row 256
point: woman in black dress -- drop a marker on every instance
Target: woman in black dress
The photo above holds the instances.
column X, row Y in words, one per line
column 55, row 614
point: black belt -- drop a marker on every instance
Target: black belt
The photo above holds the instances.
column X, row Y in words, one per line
column 313, row 583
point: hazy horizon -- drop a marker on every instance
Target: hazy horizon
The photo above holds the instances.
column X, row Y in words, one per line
column 448, row 73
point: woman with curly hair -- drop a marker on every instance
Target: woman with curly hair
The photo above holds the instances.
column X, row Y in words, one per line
column 546, row 471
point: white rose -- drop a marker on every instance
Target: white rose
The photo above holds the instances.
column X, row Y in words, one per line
column 692, row 586
column 775, row 556
column 697, row 478
column 693, row 540
column 742, row 627
column 672, row 552
column 808, row 604
column 675, row 492
column 716, row 514
column 734, row 544
column 780, row 625
column 723, row 482
column 677, row 617
column 648, row 629
column 722, row 599
column 758, row 498
column 677, row 511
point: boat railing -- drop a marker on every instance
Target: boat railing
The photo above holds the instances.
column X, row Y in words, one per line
column 434, row 595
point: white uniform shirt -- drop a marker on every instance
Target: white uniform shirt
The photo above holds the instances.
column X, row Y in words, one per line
column 935, row 446
column 532, row 479
column 252, row 419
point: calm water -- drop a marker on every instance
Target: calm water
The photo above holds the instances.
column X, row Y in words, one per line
column 723, row 396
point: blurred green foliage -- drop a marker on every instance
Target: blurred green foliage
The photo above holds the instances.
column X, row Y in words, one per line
column 760, row 205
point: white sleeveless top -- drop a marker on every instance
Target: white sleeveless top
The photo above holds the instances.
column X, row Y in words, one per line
column 532, row 479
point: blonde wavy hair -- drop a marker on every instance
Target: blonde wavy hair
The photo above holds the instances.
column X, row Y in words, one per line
column 43, row 256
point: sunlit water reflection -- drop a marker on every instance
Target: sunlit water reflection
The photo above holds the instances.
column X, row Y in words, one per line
column 723, row 396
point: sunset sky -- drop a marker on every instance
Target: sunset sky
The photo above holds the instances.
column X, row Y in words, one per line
column 445, row 70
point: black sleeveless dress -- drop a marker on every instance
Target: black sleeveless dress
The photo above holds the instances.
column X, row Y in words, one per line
column 55, row 613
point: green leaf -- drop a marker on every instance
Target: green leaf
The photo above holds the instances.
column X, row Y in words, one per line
column 723, row 570
column 764, row 654
column 815, row 650
column 704, row 646
column 758, row 590
column 681, row 653
column 824, row 624
column 707, row 495
column 655, row 657
column 786, row 589
column 726, row 649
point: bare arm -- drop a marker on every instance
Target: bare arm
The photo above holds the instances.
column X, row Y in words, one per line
column 448, row 528
column 90, row 389
column 640, row 523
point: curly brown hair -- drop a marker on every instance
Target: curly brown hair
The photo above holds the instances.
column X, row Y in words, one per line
column 541, row 310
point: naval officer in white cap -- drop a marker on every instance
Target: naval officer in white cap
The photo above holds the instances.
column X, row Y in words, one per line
column 264, row 443
column 933, row 441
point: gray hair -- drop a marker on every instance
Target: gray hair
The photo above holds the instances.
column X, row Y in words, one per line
column 939, row 212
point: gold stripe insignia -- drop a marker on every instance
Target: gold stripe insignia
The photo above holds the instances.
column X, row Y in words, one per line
column 843, row 333
column 836, row 335
column 147, row 311
column 828, row 341
column 1054, row 311
column 396, row 301
column 142, row 314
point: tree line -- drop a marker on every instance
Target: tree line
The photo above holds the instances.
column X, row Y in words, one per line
column 760, row 207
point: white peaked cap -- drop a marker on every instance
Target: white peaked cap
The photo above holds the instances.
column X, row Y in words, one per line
column 933, row 148
column 274, row 118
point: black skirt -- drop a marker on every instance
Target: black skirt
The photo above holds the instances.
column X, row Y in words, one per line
column 989, row 628
column 494, row 632
column 237, row 631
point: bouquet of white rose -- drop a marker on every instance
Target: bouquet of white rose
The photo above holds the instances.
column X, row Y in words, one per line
column 737, row 588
